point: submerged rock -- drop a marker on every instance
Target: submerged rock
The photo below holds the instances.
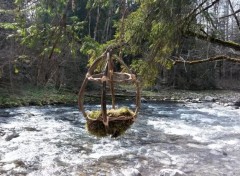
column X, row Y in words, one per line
column 143, row 100
column 171, row 172
column 131, row 172
column 19, row 163
column 209, row 99
column 31, row 129
column 2, row 133
column 9, row 137
column 237, row 103
column 196, row 100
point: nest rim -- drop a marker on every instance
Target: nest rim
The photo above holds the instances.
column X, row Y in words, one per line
column 122, row 113
column 117, row 77
column 118, row 123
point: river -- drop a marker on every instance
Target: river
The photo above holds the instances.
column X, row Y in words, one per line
column 168, row 139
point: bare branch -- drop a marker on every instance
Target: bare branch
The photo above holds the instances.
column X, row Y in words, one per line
column 195, row 10
column 209, row 6
column 211, row 59
column 237, row 11
column 193, row 13
column 234, row 14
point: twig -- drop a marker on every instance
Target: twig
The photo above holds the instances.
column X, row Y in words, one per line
column 234, row 14
column 237, row 11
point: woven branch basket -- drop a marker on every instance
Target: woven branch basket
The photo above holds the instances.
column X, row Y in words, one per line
column 114, row 121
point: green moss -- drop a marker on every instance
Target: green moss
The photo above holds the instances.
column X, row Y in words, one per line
column 123, row 111
column 36, row 96
column 94, row 114
column 115, row 128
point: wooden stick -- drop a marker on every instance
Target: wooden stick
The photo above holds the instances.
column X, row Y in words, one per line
column 138, row 97
column 82, row 89
column 111, row 83
column 103, row 96
column 121, row 62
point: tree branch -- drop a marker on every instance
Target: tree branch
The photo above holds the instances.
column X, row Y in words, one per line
column 209, row 6
column 237, row 11
column 194, row 12
column 211, row 59
column 189, row 15
column 212, row 39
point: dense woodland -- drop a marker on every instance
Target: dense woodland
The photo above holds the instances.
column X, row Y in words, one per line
column 184, row 44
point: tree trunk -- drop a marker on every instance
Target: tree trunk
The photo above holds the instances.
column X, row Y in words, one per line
column 96, row 25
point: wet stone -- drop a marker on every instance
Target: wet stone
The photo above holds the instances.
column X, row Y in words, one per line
column 143, row 100
column 216, row 152
column 197, row 100
column 131, row 172
column 224, row 153
column 2, row 132
column 19, row 163
column 31, row 129
column 237, row 103
column 171, row 172
column 209, row 99
column 11, row 136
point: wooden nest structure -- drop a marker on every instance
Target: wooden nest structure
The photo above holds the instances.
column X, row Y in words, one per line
column 104, row 122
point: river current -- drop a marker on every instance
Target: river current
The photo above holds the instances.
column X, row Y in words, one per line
column 167, row 139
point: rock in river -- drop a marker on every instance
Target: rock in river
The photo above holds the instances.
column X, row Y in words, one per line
column 237, row 103
column 171, row 172
column 209, row 99
column 9, row 137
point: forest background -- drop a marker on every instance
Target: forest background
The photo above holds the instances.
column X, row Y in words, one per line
column 180, row 44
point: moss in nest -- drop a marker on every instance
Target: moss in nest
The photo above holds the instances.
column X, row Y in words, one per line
column 124, row 111
column 115, row 128
column 94, row 114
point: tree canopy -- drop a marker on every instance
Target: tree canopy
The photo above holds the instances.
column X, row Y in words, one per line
column 153, row 35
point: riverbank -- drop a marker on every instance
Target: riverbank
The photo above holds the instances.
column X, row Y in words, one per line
column 37, row 97
column 50, row 96
column 225, row 97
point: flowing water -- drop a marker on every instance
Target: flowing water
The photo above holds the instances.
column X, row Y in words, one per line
column 167, row 139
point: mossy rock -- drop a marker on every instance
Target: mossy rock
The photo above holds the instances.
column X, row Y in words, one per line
column 115, row 128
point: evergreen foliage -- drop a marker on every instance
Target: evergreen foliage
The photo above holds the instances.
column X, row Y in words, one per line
column 152, row 35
